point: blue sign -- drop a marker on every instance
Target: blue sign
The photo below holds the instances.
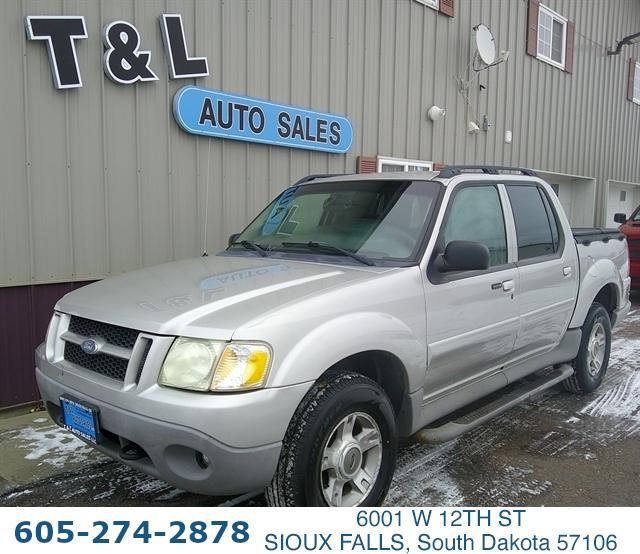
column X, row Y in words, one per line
column 217, row 114
column 279, row 210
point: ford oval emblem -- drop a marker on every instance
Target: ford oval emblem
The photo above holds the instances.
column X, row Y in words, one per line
column 90, row 346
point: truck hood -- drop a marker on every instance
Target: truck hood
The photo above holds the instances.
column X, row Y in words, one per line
column 206, row 297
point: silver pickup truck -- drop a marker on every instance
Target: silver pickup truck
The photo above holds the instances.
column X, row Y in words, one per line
column 352, row 311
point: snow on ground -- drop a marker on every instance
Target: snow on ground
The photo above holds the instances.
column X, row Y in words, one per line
column 623, row 399
column 51, row 445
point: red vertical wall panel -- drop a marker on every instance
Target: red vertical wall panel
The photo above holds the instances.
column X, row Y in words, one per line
column 24, row 315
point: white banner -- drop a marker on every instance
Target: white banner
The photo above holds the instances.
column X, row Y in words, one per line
column 248, row 530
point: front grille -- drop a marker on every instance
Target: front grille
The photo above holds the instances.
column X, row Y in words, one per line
column 634, row 249
column 143, row 359
column 118, row 336
column 102, row 363
column 106, row 365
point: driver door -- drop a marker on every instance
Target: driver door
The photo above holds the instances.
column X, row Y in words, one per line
column 472, row 316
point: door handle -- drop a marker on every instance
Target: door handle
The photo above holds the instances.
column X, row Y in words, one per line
column 566, row 271
column 508, row 286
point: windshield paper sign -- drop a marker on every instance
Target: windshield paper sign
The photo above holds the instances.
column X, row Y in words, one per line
column 217, row 114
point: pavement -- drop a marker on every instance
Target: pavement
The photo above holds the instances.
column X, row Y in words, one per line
column 558, row 449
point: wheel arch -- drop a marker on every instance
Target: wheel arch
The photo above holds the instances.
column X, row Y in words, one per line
column 378, row 339
column 601, row 284
column 608, row 297
column 388, row 371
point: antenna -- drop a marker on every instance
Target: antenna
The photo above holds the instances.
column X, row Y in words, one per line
column 483, row 58
column 485, row 44
column 206, row 203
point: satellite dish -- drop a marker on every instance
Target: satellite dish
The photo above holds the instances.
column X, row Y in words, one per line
column 485, row 44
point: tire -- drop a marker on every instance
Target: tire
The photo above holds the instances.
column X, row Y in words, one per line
column 320, row 431
column 592, row 361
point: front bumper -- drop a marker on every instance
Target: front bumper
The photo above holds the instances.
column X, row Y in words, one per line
column 174, row 433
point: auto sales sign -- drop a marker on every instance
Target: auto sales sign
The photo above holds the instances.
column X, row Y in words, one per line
column 197, row 110
column 214, row 113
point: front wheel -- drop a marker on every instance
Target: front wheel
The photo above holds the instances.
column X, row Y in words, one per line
column 593, row 357
column 340, row 447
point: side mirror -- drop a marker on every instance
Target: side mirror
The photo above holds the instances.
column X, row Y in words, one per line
column 465, row 255
column 620, row 218
column 233, row 238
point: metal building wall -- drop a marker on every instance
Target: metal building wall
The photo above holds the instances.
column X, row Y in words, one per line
column 100, row 180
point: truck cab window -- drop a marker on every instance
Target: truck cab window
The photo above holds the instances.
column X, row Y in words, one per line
column 476, row 215
column 533, row 227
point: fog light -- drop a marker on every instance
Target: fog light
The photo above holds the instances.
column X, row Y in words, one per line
column 202, row 460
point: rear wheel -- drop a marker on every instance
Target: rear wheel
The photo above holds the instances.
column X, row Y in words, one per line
column 593, row 357
column 340, row 447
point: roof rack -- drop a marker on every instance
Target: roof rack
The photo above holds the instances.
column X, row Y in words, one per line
column 453, row 170
column 317, row 176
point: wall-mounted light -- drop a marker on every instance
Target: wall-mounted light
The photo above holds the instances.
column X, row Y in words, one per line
column 629, row 39
column 434, row 113
column 472, row 127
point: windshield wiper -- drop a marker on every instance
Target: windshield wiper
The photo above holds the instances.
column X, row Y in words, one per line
column 326, row 246
column 250, row 245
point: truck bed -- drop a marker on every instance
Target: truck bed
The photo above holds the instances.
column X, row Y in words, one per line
column 587, row 235
column 598, row 248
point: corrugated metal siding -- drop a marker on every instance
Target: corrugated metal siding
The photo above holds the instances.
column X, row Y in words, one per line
column 101, row 180
column 26, row 312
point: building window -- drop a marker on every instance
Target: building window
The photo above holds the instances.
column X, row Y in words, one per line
column 556, row 188
column 435, row 4
column 636, row 84
column 400, row 164
column 445, row 7
column 552, row 37
column 623, row 196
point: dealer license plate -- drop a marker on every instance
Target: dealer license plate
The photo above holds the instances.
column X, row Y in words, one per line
column 80, row 419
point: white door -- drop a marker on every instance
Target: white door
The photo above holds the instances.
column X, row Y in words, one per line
column 472, row 316
column 548, row 271
column 621, row 200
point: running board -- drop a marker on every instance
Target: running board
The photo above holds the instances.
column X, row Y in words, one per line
column 493, row 405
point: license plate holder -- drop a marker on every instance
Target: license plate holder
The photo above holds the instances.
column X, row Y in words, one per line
column 80, row 418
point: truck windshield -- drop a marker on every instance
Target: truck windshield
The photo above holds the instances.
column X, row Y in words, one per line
column 376, row 220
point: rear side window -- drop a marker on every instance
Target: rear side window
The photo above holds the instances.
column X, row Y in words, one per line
column 552, row 221
column 476, row 215
column 536, row 227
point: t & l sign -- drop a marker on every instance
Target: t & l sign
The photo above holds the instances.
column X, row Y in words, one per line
column 123, row 60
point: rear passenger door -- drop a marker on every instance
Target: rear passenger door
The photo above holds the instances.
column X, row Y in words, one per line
column 547, row 268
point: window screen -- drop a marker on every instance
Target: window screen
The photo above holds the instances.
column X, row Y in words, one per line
column 476, row 214
column 537, row 235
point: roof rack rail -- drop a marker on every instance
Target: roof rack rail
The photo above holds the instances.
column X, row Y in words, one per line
column 317, row 176
column 453, row 170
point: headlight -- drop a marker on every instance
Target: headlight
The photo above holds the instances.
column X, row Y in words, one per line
column 190, row 364
column 203, row 365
